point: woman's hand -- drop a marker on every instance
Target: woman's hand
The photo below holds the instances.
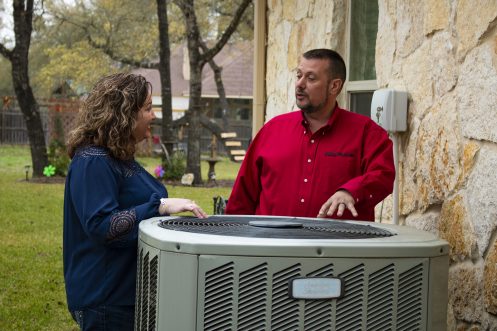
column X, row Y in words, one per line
column 177, row 205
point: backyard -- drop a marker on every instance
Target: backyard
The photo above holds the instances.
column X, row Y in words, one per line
column 32, row 293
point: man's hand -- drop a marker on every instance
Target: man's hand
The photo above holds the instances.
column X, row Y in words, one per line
column 338, row 201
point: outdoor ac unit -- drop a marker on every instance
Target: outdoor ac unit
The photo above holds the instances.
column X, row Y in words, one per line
column 271, row 273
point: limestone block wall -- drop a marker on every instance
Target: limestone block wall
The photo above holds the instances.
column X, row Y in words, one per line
column 295, row 26
column 444, row 54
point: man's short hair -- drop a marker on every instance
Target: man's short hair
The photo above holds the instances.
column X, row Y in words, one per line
column 337, row 67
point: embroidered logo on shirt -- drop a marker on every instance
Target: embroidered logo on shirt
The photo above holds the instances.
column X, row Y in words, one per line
column 340, row 154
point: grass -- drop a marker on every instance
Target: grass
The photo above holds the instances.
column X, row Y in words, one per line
column 32, row 293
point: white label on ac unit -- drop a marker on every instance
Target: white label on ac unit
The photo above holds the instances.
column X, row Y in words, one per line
column 317, row 288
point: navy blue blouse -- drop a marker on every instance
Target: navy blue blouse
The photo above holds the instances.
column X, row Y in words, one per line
column 104, row 201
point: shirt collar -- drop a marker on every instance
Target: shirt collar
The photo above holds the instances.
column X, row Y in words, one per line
column 334, row 115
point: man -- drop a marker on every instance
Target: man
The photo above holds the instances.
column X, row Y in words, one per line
column 321, row 161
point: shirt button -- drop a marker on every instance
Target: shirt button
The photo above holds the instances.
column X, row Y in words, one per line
column 309, row 160
column 312, row 141
column 301, row 200
column 305, row 180
column 305, row 132
column 370, row 196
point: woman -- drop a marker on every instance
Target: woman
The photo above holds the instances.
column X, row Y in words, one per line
column 107, row 194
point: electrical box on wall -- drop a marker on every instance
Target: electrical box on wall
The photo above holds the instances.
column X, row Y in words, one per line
column 389, row 109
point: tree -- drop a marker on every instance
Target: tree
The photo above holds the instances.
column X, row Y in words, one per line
column 198, row 57
column 117, row 29
column 165, row 76
column 124, row 34
column 18, row 57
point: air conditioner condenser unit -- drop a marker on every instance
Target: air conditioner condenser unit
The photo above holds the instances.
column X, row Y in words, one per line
column 283, row 273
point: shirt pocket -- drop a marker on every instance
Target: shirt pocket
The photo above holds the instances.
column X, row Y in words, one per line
column 336, row 168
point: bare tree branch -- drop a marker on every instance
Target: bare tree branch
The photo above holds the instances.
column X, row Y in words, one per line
column 207, row 56
column 6, row 52
column 219, row 85
column 124, row 60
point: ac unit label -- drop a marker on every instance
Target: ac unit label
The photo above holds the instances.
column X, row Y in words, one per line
column 317, row 288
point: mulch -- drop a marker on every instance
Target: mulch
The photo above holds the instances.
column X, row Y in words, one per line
column 217, row 183
column 61, row 180
column 46, row 180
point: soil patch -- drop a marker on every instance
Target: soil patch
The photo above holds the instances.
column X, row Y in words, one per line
column 46, row 180
column 61, row 180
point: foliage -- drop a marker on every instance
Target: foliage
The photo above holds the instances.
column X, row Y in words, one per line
column 6, row 87
column 176, row 169
column 60, row 51
column 32, row 295
column 79, row 65
column 119, row 29
column 57, row 152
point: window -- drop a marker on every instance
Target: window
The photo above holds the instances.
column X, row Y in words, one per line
column 360, row 102
column 363, row 28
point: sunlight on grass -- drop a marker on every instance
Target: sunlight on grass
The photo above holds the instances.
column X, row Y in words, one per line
column 32, row 295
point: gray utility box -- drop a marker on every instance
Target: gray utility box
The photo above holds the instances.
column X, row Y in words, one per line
column 277, row 273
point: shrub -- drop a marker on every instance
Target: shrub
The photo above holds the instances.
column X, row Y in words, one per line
column 176, row 169
column 57, row 153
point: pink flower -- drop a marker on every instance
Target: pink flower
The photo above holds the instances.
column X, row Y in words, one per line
column 159, row 171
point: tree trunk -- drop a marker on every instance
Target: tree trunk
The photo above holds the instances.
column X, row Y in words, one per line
column 165, row 77
column 197, row 62
column 32, row 118
column 18, row 57
column 194, row 126
column 221, row 92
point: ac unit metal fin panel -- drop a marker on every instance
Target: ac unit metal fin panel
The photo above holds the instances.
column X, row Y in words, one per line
column 380, row 299
column 252, row 298
column 379, row 294
column 147, row 289
column 219, row 298
column 411, row 299
column 285, row 310
column 317, row 313
column 349, row 308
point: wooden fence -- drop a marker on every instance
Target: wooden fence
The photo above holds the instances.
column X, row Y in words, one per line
column 13, row 127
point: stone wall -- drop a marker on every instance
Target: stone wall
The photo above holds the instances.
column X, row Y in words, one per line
column 295, row 26
column 444, row 54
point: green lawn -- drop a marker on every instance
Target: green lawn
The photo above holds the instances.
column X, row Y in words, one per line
column 32, row 293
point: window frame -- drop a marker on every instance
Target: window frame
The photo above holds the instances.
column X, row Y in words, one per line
column 357, row 86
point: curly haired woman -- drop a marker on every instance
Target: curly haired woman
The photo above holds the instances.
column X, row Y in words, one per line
column 107, row 194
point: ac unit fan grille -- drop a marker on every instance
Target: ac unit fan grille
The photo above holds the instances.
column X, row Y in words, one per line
column 293, row 228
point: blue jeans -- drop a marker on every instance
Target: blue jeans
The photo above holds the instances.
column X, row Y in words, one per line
column 106, row 318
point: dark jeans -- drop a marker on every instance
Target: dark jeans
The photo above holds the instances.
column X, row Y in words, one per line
column 107, row 318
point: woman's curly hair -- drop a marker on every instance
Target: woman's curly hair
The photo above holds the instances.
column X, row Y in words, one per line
column 108, row 115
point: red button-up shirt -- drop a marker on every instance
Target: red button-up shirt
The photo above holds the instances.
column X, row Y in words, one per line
column 289, row 171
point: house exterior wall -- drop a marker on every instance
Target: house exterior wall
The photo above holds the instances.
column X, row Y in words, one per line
column 292, row 28
column 444, row 54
